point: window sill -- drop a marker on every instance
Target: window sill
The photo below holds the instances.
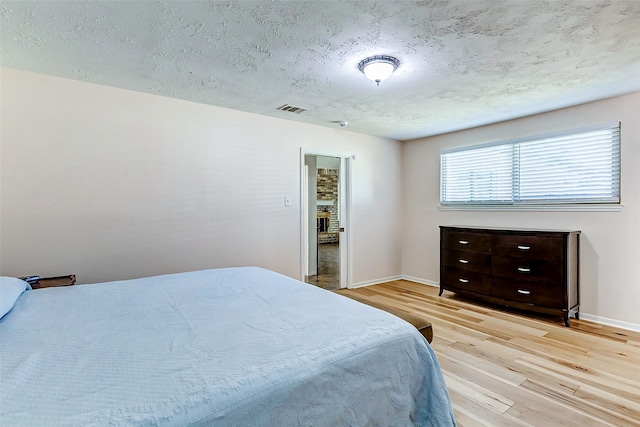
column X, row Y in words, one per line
column 537, row 208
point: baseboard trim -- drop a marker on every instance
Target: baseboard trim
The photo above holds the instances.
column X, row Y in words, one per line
column 392, row 278
column 610, row 322
column 421, row 281
column 375, row 282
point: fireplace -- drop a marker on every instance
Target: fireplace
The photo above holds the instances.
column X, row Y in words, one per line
column 327, row 229
column 324, row 221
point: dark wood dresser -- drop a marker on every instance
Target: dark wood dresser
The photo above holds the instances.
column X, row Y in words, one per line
column 536, row 270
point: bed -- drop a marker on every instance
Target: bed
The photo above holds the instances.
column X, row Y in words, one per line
column 224, row 347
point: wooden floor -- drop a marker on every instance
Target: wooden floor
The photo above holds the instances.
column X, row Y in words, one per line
column 328, row 276
column 508, row 369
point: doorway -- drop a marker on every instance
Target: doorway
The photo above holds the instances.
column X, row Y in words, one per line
column 324, row 206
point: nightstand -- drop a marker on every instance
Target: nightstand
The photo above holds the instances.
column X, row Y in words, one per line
column 52, row 282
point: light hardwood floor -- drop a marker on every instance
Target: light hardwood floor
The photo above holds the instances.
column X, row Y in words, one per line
column 503, row 368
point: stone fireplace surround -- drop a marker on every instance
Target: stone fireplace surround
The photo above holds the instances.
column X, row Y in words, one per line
column 327, row 191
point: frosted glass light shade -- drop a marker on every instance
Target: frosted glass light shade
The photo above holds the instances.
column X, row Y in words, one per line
column 378, row 68
column 378, row 71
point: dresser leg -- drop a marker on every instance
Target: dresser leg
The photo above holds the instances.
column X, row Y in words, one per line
column 441, row 289
column 566, row 320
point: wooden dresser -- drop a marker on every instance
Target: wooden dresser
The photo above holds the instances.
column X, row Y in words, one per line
column 536, row 270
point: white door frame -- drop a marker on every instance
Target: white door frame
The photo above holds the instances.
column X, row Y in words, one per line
column 345, row 214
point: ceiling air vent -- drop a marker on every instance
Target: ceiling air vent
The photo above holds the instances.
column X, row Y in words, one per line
column 291, row 109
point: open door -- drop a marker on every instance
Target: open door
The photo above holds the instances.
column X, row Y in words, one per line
column 325, row 220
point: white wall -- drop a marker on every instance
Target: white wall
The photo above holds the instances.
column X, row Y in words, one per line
column 325, row 162
column 112, row 184
column 610, row 241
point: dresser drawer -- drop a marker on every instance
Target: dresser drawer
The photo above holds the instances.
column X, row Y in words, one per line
column 535, row 293
column 465, row 280
column 535, row 247
column 468, row 242
column 528, row 269
column 467, row 261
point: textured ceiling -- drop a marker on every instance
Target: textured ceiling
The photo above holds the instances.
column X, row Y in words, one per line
column 463, row 63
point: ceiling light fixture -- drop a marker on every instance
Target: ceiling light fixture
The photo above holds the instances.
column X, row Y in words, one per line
column 379, row 67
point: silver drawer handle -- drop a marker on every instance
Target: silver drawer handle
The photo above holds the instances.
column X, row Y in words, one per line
column 523, row 247
column 463, row 261
column 523, row 292
column 524, row 269
column 463, row 280
column 463, row 242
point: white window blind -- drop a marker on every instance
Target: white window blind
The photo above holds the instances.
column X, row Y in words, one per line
column 579, row 166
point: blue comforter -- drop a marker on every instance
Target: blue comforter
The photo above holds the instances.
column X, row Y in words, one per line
column 224, row 347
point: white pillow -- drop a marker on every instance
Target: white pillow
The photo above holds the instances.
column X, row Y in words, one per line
column 10, row 289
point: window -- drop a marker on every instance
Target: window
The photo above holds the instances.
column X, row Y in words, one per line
column 579, row 166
